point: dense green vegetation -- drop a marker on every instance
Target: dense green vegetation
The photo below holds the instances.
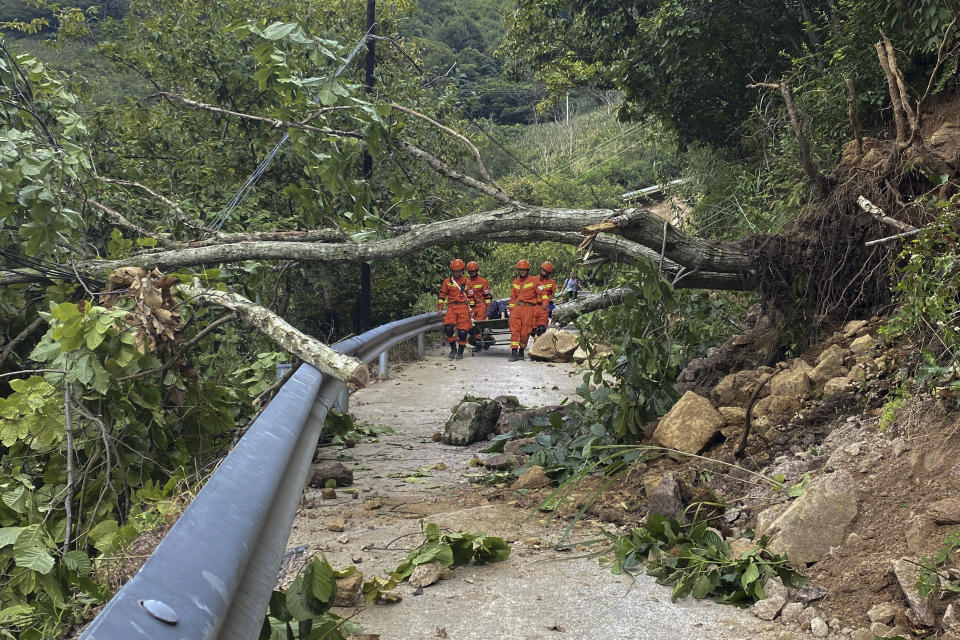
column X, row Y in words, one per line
column 145, row 119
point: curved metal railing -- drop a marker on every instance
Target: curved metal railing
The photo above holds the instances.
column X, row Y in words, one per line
column 212, row 575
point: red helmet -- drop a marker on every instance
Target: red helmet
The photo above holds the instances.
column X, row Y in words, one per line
column 473, row 265
column 523, row 264
column 547, row 266
column 456, row 264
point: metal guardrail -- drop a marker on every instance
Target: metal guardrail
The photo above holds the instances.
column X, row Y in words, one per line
column 212, row 575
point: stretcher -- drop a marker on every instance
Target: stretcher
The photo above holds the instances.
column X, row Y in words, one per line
column 489, row 329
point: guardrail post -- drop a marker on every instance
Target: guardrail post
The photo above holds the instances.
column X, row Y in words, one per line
column 421, row 344
column 342, row 403
column 383, row 365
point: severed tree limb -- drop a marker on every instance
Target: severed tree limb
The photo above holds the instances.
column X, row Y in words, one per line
column 494, row 192
column 308, row 349
column 445, row 169
column 476, row 152
column 617, row 249
column 697, row 255
column 878, row 213
column 819, row 181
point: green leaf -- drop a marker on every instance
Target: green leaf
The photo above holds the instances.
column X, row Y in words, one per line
column 8, row 535
column 749, row 576
column 15, row 613
column 799, row 488
column 701, row 587
column 30, row 552
column 78, row 561
column 279, row 30
column 323, row 586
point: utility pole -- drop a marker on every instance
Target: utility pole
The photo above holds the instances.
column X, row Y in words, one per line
column 365, row 292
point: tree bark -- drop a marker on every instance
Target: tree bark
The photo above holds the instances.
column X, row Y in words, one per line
column 642, row 227
column 308, row 349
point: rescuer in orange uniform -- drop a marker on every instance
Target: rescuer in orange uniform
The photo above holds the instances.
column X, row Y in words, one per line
column 547, row 287
column 524, row 300
column 481, row 298
column 457, row 297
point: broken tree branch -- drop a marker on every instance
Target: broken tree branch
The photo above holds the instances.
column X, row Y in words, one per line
column 308, row 349
column 878, row 213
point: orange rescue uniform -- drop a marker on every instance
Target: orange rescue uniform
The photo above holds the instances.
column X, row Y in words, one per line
column 547, row 287
column 481, row 299
column 458, row 297
column 524, row 301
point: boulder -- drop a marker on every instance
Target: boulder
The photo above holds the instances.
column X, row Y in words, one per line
column 425, row 574
column 599, row 351
column 733, row 416
column 883, row 612
column 776, row 406
column 472, row 421
column 851, row 328
column 946, row 511
column 793, row 382
column 923, row 609
column 817, row 520
column 323, row 471
column 348, row 589
column 837, row 385
column 532, row 478
column 736, row 388
column 555, row 345
column 514, row 446
column 862, row 344
column 689, row 425
column 829, row 365
column 503, row 462
column 768, row 608
column 667, row 500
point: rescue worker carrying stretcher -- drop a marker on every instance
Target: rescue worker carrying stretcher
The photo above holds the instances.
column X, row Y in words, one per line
column 480, row 300
column 525, row 299
column 458, row 298
column 547, row 287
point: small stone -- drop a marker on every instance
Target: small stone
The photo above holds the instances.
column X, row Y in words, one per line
column 879, row 630
column 372, row 503
column 356, row 559
column 447, row 574
column 768, row 608
column 530, row 542
column 426, row 574
column 336, row 524
column 883, row 612
column 348, row 589
column 328, row 494
column 437, row 436
column 791, row 612
column 862, row 634
column 344, row 539
column 819, row 628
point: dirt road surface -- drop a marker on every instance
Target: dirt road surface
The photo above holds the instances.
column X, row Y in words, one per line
column 538, row 592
